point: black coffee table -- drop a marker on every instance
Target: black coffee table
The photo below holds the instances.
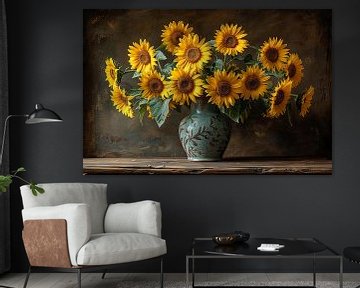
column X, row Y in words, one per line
column 295, row 248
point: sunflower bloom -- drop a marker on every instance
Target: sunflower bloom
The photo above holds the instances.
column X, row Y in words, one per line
column 121, row 101
column 111, row 72
column 306, row 101
column 280, row 98
column 273, row 54
column 185, row 86
column 223, row 88
column 172, row 34
column 153, row 85
column 253, row 83
column 142, row 56
column 229, row 40
column 294, row 69
column 192, row 53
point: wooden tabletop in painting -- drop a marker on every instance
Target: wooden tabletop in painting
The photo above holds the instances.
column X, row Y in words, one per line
column 184, row 166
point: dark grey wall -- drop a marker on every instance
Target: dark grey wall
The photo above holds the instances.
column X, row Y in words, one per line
column 45, row 50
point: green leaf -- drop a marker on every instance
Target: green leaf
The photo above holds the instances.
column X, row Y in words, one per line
column 219, row 64
column 5, row 182
column 136, row 74
column 239, row 112
column 211, row 42
column 168, row 67
column 234, row 112
column 36, row 189
column 248, row 59
column 139, row 101
column 135, row 92
column 159, row 109
column 276, row 74
column 270, row 85
column 160, row 56
column 20, row 169
column 142, row 111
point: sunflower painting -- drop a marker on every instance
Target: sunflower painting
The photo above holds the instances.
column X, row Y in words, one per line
column 150, row 73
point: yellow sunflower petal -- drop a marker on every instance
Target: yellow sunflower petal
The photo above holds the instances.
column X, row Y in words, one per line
column 253, row 83
column 223, row 88
column 273, row 54
column 172, row 34
column 142, row 56
column 280, row 98
column 229, row 40
column 121, row 101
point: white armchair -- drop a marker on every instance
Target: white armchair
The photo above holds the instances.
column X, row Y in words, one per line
column 72, row 228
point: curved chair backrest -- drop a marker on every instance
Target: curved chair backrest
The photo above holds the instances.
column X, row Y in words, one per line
column 62, row 193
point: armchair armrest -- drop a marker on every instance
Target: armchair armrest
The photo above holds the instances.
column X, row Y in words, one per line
column 138, row 217
column 78, row 225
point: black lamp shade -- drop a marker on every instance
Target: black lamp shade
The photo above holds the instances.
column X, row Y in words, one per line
column 42, row 115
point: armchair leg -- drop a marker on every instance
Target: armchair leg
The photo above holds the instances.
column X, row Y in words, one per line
column 79, row 277
column 161, row 273
column 27, row 277
column 103, row 275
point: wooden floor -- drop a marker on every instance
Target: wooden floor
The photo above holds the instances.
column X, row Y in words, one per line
column 119, row 280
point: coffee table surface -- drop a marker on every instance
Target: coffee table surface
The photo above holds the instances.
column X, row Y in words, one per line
column 292, row 247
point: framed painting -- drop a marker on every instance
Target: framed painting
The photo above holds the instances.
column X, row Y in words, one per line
column 207, row 92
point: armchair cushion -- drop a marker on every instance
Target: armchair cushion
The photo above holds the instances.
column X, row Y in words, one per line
column 138, row 217
column 78, row 221
column 113, row 248
column 92, row 194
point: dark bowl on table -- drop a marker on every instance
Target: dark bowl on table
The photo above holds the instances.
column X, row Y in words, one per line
column 231, row 238
column 225, row 239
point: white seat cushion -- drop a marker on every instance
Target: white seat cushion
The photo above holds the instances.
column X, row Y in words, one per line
column 113, row 248
column 137, row 217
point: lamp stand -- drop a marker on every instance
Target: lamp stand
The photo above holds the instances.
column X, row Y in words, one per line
column 4, row 135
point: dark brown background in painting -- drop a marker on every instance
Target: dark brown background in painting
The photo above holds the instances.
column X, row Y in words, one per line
column 107, row 33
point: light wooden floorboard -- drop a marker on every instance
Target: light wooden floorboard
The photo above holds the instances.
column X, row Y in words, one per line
column 93, row 280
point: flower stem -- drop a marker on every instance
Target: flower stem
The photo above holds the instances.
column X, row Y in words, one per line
column 160, row 67
column 160, row 46
column 128, row 71
column 289, row 117
column 20, row 178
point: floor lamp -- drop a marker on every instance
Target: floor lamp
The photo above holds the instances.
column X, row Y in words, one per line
column 39, row 115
